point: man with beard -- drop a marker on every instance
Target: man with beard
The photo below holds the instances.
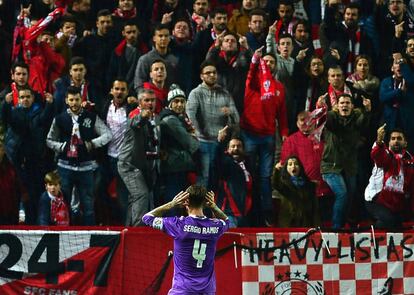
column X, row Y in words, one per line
column 204, row 39
column 74, row 135
column 301, row 41
column 346, row 36
column 339, row 159
column 235, row 184
column 256, row 36
column 211, row 109
column 232, row 62
column 392, row 204
column 125, row 57
column 200, row 19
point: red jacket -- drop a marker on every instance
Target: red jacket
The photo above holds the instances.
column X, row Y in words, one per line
column 309, row 153
column 397, row 190
column 261, row 112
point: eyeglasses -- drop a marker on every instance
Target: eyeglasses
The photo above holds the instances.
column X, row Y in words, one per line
column 210, row 73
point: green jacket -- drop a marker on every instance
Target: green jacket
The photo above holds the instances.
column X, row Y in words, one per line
column 342, row 137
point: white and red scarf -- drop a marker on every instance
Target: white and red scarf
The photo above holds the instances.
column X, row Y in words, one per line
column 354, row 46
column 59, row 213
column 334, row 94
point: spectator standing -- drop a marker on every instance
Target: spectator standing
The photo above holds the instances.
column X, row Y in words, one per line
column 138, row 159
column 212, row 110
column 394, row 201
column 178, row 143
column 74, row 134
column 264, row 109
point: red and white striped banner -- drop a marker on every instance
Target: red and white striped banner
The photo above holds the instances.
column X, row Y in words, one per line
column 328, row 263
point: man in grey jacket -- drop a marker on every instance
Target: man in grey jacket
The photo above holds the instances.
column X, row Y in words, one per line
column 212, row 110
column 138, row 158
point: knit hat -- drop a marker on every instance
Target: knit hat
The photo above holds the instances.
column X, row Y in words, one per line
column 174, row 92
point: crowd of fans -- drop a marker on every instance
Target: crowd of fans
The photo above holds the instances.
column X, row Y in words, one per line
column 295, row 113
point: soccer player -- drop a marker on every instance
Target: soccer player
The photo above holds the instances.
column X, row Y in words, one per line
column 195, row 237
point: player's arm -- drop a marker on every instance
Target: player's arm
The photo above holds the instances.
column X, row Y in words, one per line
column 180, row 199
column 212, row 205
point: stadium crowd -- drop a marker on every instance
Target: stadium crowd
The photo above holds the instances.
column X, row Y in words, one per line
column 296, row 113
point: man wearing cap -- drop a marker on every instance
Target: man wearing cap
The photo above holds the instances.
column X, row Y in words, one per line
column 178, row 144
column 138, row 157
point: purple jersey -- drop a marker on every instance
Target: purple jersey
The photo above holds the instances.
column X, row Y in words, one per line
column 195, row 240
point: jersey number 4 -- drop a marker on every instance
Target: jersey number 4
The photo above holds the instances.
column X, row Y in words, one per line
column 199, row 252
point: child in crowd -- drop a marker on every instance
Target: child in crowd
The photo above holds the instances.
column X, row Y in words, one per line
column 52, row 207
column 298, row 203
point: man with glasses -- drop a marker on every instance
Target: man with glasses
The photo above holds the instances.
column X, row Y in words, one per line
column 213, row 113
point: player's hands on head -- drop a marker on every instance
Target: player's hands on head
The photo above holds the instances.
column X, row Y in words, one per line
column 210, row 199
column 181, row 199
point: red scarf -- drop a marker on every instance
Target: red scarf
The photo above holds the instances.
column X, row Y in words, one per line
column 125, row 14
column 231, row 61
column 279, row 28
column 334, row 94
column 15, row 93
column 230, row 198
column 353, row 48
column 201, row 21
column 316, row 41
column 268, row 85
column 59, row 213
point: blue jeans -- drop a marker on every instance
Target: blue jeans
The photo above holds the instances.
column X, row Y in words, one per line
column 263, row 148
column 84, row 183
column 208, row 156
column 343, row 189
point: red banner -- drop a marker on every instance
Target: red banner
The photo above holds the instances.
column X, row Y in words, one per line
column 66, row 262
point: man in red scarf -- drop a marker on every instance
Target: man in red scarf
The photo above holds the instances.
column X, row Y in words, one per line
column 264, row 105
column 394, row 201
column 346, row 35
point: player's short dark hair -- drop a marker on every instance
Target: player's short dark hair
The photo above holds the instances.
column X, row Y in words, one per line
column 73, row 90
column 197, row 196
